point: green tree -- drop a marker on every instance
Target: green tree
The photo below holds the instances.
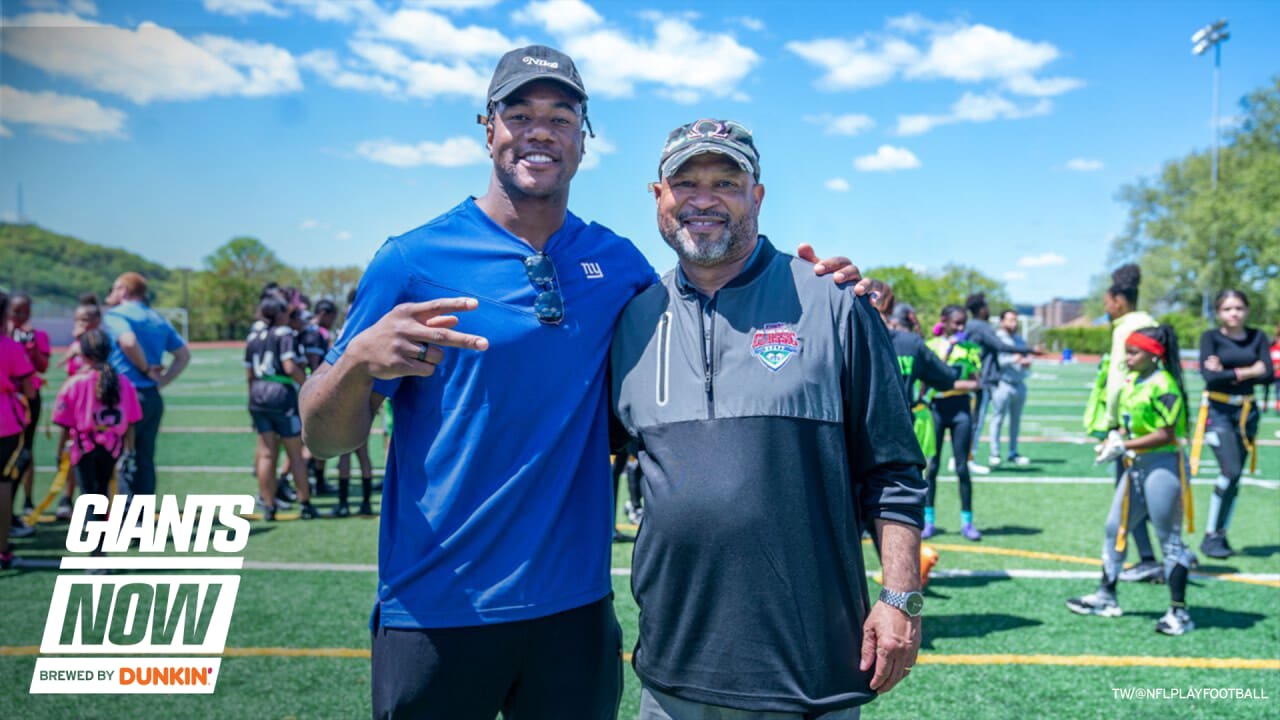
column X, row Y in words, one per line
column 1193, row 239
column 929, row 293
column 228, row 289
column 329, row 282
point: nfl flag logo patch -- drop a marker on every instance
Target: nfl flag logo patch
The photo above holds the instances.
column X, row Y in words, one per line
column 774, row 345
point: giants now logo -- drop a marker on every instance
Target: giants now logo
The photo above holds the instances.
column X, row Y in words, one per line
column 144, row 614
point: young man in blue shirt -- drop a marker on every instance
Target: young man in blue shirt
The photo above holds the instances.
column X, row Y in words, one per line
column 494, row 592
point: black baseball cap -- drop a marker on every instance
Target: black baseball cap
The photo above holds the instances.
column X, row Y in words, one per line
column 529, row 64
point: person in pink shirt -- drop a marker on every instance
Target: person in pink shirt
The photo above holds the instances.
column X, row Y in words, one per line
column 16, row 390
column 96, row 409
column 88, row 316
column 36, row 344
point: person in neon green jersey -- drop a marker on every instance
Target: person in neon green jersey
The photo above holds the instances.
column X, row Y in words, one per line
column 1152, row 408
column 1121, row 303
column 953, row 410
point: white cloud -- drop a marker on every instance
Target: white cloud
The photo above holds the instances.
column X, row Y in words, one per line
column 79, row 7
column 453, row 152
column 886, row 159
column 837, row 185
column 5, row 132
column 751, row 23
column 1045, row 87
column 312, row 224
column 981, row 52
column 151, row 62
column 1084, row 165
column 915, row 48
column 413, row 78
column 342, row 11
column 848, row 124
column 435, row 36
column 325, row 63
column 1014, row 275
column 342, row 235
column 268, row 70
column 1049, row 259
column 559, row 16
column 858, row 63
column 451, row 5
column 62, row 117
column 597, row 147
column 243, row 8
column 685, row 63
column 972, row 107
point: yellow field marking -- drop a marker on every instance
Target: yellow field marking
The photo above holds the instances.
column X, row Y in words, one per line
column 1036, row 555
column 1103, row 661
column 296, row 652
column 1014, row 552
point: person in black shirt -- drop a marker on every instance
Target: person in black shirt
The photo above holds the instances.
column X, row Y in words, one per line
column 274, row 372
column 313, row 343
column 1234, row 359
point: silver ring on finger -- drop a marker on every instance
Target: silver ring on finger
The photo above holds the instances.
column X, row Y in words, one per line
column 422, row 352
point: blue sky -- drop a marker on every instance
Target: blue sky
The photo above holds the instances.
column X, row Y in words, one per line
column 991, row 134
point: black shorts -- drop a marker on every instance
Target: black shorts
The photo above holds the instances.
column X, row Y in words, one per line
column 9, row 445
column 29, row 432
column 285, row 424
column 560, row 667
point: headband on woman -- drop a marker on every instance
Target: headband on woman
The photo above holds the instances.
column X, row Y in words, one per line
column 1145, row 342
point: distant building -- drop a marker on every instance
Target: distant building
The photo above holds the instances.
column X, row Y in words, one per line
column 1059, row 312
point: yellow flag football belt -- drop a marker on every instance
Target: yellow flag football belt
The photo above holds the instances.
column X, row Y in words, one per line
column 1187, row 505
column 1245, row 403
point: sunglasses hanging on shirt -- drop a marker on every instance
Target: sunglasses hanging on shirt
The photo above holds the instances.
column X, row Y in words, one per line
column 548, row 306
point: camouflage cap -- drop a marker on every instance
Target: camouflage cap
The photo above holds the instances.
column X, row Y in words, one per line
column 723, row 137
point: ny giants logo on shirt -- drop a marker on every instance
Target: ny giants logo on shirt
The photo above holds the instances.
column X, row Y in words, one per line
column 774, row 345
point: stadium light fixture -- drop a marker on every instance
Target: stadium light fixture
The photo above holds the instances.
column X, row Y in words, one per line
column 1212, row 36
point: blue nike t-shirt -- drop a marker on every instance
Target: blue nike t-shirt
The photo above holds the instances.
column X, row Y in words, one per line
column 497, row 504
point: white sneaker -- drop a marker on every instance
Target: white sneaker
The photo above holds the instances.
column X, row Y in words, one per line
column 951, row 465
column 1176, row 621
column 993, row 461
column 1101, row 604
column 1020, row 460
column 977, row 469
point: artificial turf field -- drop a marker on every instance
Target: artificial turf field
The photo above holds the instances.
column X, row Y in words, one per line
column 998, row 642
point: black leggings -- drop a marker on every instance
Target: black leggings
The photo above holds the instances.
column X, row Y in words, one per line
column 1224, row 422
column 954, row 413
column 95, row 469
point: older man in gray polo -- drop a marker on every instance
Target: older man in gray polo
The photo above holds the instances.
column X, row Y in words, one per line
column 773, row 431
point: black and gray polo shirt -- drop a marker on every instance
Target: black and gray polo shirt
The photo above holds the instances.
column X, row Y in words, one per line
column 773, row 429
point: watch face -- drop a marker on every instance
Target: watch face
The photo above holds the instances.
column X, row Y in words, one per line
column 915, row 604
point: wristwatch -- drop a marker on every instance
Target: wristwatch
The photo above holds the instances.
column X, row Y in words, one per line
column 911, row 603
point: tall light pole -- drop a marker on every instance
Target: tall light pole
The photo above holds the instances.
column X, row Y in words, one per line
column 1212, row 36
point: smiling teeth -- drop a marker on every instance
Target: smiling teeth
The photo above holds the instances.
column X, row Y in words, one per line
column 538, row 157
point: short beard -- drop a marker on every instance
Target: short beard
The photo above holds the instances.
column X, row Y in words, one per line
column 711, row 252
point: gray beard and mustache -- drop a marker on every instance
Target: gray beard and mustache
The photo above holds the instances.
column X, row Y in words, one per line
column 707, row 252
